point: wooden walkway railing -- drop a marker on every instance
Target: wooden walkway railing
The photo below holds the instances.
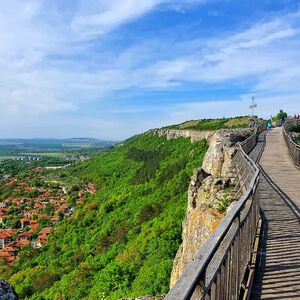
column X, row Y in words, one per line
column 294, row 149
column 218, row 271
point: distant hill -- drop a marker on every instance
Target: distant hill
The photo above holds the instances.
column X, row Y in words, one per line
column 45, row 144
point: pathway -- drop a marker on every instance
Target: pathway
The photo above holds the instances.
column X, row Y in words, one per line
column 277, row 274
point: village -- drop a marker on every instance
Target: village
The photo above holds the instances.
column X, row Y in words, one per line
column 30, row 207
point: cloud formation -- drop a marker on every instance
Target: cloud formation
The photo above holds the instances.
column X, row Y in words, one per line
column 65, row 61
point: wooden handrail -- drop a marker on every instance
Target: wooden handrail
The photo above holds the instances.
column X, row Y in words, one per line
column 218, row 268
column 294, row 149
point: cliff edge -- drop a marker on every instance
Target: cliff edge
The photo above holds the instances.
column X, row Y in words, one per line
column 209, row 193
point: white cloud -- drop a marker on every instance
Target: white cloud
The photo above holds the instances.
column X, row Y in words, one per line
column 101, row 16
column 267, row 53
column 54, row 60
column 33, row 32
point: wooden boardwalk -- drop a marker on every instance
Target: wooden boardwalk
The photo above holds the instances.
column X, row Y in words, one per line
column 277, row 274
column 279, row 166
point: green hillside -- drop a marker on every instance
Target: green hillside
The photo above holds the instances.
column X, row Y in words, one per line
column 214, row 124
column 123, row 240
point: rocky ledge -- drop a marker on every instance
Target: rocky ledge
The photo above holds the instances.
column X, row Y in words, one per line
column 7, row 292
column 176, row 133
column 209, row 195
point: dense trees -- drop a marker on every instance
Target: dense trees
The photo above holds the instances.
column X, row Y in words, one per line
column 280, row 115
column 122, row 242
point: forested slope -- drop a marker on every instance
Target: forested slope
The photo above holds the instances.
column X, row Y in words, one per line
column 122, row 242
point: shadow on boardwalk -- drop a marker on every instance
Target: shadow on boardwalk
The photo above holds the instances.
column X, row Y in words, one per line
column 277, row 274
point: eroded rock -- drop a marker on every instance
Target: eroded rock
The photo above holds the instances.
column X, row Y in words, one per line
column 218, row 158
column 7, row 292
column 176, row 133
column 209, row 194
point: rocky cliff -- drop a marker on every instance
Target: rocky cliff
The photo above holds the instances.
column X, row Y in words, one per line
column 209, row 191
column 7, row 292
column 176, row 133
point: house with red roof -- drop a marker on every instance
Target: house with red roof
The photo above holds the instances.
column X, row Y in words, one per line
column 5, row 238
column 24, row 222
column 7, row 256
column 25, row 236
column 91, row 188
column 54, row 219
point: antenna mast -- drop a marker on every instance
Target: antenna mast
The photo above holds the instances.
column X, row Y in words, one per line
column 252, row 106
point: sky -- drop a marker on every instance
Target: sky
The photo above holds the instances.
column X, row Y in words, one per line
column 112, row 69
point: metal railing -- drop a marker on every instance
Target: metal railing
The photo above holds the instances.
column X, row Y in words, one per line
column 218, row 270
column 294, row 149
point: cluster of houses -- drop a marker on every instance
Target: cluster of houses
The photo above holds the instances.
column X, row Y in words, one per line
column 31, row 213
column 12, row 240
column 27, row 158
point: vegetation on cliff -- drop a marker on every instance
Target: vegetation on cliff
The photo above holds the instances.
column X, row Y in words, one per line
column 295, row 133
column 123, row 240
column 214, row 124
column 280, row 115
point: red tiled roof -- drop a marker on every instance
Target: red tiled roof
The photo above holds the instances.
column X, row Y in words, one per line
column 24, row 220
column 4, row 235
column 9, row 249
column 24, row 243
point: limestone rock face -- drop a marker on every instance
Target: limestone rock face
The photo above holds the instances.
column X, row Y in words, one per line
column 7, row 292
column 176, row 133
column 218, row 158
column 208, row 196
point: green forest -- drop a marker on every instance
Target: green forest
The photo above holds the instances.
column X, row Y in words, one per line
column 122, row 241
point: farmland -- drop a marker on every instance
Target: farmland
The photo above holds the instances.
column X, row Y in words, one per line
column 52, row 148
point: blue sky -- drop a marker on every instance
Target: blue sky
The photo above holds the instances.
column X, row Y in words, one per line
column 111, row 69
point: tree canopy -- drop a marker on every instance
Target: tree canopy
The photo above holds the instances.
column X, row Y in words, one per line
column 122, row 241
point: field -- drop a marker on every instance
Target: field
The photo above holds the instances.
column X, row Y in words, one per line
column 51, row 148
column 43, row 154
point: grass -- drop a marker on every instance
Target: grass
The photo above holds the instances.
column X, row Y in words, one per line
column 56, row 176
column 213, row 124
column 5, row 157
column 48, row 154
column 86, row 145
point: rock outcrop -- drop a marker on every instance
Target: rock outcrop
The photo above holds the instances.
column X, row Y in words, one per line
column 7, row 292
column 209, row 195
column 218, row 158
column 176, row 133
